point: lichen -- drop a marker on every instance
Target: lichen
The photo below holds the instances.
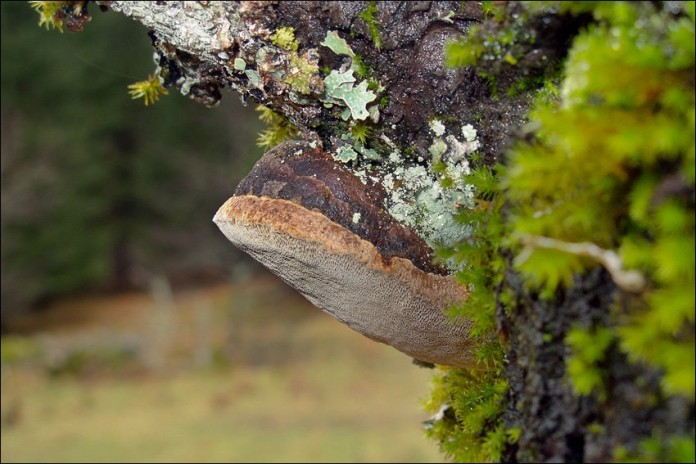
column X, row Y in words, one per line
column 437, row 127
column 430, row 201
column 239, row 64
column 303, row 73
column 469, row 132
column 345, row 154
column 337, row 44
column 340, row 90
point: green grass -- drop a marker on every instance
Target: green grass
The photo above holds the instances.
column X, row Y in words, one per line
column 310, row 390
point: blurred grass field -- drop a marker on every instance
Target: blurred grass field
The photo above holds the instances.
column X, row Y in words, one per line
column 243, row 372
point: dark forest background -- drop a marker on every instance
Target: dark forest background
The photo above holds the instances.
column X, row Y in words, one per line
column 99, row 192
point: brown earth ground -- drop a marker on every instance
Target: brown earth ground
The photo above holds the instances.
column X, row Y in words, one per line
column 238, row 372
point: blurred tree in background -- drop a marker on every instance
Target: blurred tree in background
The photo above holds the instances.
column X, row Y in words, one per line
column 98, row 191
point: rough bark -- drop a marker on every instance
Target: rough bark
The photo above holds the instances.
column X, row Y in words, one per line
column 199, row 41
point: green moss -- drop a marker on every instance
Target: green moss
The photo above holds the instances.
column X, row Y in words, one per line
column 368, row 15
column 470, row 405
column 611, row 166
column 149, row 90
column 362, row 70
column 51, row 14
column 659, row 448
column 279, row 130
column 506, row 44
column 588, row 350
column 613, row 139
column 284, row 37
column 361, row 132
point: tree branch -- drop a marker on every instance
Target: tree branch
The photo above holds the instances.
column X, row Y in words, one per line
column 628, row 280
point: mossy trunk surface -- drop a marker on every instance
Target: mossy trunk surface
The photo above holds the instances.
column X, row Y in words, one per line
column 558, row 425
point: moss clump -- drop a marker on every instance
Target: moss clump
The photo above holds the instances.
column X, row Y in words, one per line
column 605, row 179
column 50, row 14
column 149, row 90
column 622, row 133
column 368, row 15
column 519, row 47
column 361, row 132
column 284, row 37
column 479, row 397
column 279, row 130
column 72, row 15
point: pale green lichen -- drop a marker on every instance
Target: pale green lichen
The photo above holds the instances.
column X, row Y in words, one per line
column 239, row 64
column 254, row 78
column 457, row 150
column 340, row 86
column 368, row 153
column 429, row 201
column 356, row 217
column 438, row 148
column 437, row 127
column 345, row 154
column 337, row 45
column 469, row 132
column 374, row 109
column 340, row 90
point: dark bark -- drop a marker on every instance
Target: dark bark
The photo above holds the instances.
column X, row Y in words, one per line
column 558, row 425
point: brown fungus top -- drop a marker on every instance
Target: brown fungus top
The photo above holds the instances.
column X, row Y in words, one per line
column 311, row 178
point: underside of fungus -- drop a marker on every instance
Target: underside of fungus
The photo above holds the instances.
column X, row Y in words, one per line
column 296, row 214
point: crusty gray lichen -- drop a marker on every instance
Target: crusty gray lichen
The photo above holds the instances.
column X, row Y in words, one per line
column 203, row 29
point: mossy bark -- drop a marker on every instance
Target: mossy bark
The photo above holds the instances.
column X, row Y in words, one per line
column 556, row 424
column 198, row 44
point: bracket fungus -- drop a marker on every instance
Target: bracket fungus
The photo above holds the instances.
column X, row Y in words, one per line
column 294, row 213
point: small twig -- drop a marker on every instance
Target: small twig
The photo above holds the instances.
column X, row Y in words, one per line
column 628, row 280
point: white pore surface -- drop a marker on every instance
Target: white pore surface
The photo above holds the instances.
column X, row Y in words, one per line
column 401, row 309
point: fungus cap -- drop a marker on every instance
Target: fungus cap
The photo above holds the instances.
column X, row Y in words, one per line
column 388, row 300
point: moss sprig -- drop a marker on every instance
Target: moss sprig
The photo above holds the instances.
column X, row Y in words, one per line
column 279, row 130
column 50, row 13
column 369, row 16
column 149, row 90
